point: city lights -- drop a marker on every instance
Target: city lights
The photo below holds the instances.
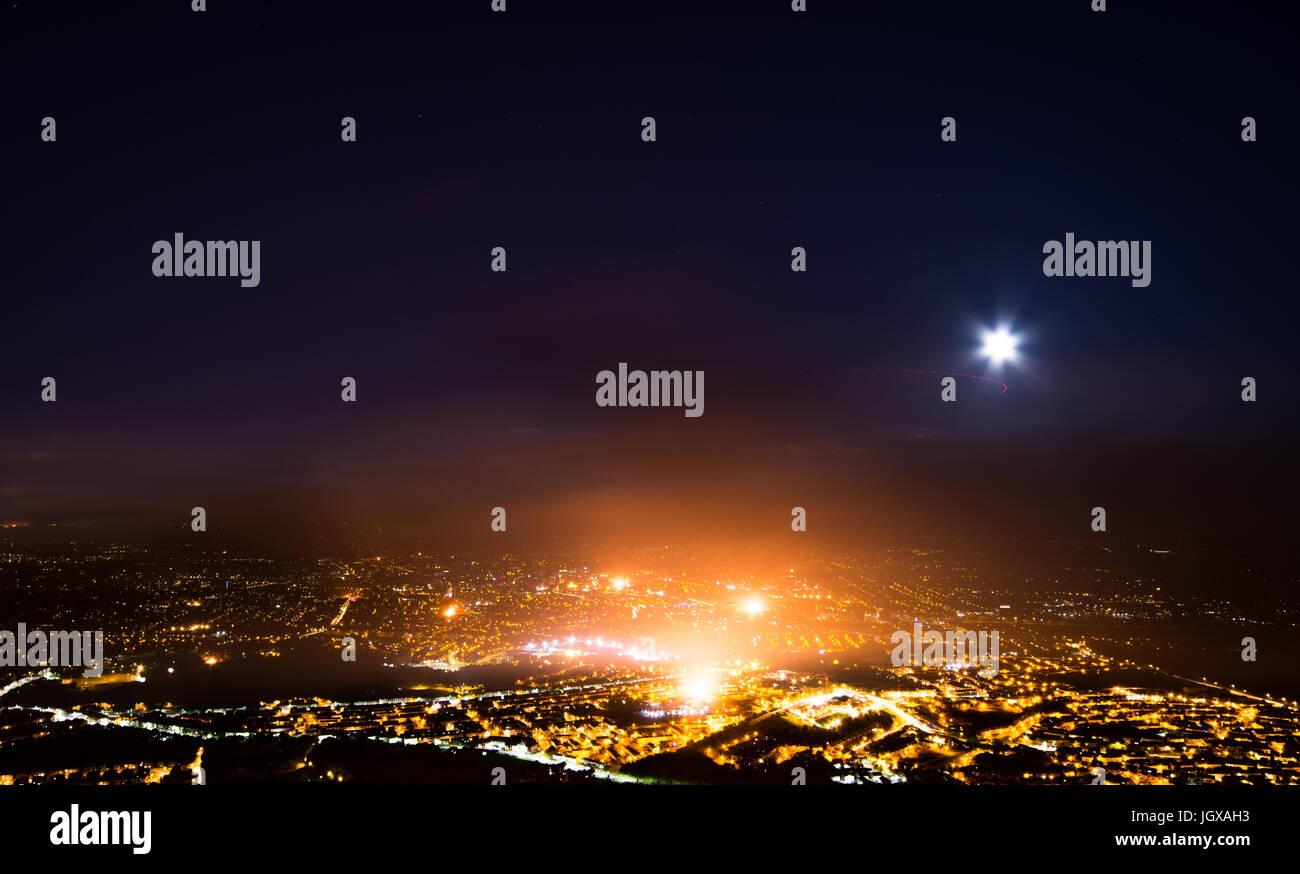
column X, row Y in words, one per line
column 699, row 688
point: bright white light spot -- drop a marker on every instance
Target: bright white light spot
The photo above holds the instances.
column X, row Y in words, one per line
column 699, row 688
column 999, row 345
column 753, row 605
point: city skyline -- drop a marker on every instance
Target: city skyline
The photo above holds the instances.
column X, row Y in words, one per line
column 405, row 402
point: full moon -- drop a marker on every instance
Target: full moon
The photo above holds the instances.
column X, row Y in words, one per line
column 999, row 345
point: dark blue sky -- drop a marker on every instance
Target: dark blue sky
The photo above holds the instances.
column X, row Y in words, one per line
column 774, row 130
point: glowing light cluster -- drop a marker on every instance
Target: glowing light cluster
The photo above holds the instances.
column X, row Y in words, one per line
column 699, row 688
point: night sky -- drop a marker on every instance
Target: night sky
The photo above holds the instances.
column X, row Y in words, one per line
column 775, row 130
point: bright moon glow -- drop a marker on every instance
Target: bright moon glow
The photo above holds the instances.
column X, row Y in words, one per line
column 999, row 345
